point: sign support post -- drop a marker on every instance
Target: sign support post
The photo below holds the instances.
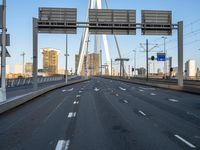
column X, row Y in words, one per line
column 35, row 54
column 3, row 56
column 180, row 53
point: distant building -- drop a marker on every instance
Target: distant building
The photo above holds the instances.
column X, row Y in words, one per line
column 141, row 71
column 18, row 69
column 61, row 71
column 28, row 68
column 93, row 64
column 191, row 69
column 50, row 61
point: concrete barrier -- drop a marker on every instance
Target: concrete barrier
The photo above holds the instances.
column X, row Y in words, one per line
column 188, row 89
column 19, row 100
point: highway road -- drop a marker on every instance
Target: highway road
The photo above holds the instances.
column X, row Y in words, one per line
column 103, row 114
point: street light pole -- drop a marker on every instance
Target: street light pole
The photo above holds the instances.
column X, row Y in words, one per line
column 165, row 65
column 135, row 62
column 66, row 65
column 3, row 56
column 86, row 65
column 23, row 64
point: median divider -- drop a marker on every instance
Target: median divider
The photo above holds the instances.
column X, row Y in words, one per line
column 19, row 100
column 188, row 89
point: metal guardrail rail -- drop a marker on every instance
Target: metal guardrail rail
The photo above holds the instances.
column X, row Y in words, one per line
column 28, row 81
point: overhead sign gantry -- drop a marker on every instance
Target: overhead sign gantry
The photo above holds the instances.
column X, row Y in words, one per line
column 106, row 21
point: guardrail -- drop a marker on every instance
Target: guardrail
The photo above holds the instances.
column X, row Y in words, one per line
column 28, row 81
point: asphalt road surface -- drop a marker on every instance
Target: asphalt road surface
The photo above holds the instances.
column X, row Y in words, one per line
column 103, row 114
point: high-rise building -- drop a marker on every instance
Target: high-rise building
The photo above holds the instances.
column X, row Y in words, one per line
column 93, row 64
column 50, row 61
column 18, row 69
column 191, row 68
column 28, row 68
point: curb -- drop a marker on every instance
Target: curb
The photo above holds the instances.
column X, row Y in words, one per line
column 163, row 86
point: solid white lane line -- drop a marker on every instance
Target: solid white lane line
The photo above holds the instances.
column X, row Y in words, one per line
column 122, row 89
column 153, row 94
column 173, row 100
column 72, row 114
column 62, row 145
column 70, row 90
column 185, row 141
column 96, row 89
column 141, row 112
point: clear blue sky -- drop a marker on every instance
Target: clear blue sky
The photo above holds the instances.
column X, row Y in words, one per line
column 19, row 24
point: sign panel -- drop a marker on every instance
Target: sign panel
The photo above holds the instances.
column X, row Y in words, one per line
column 161, row 57
column 107, row 21
column 7, row 39
column 57, row 20
column 156, row 22
column 7, row 53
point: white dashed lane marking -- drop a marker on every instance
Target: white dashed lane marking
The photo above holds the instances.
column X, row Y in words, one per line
column 62, row 145
column 77, row 96
column 96, row 89
column 72, row 115
column 173, row 100
column 70, row 90
column 141, row 112
column 76, row 102
column 123, row 89
column 153, row 94
column 185, row 141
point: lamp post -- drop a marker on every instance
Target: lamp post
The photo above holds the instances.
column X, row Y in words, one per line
column 134, row 62
column 165, row 64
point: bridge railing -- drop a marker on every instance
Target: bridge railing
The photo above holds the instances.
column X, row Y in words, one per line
column 28, row 81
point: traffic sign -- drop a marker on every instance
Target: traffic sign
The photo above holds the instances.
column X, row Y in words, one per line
column 57, row 20
column 161, row 57
column 156, row 22
column 112, row 21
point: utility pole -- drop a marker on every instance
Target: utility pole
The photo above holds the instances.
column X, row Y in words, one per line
column 23, row 62
column 3, row 56
column 135, row 62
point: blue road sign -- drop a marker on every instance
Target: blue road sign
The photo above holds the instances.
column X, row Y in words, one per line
column 161, row 57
